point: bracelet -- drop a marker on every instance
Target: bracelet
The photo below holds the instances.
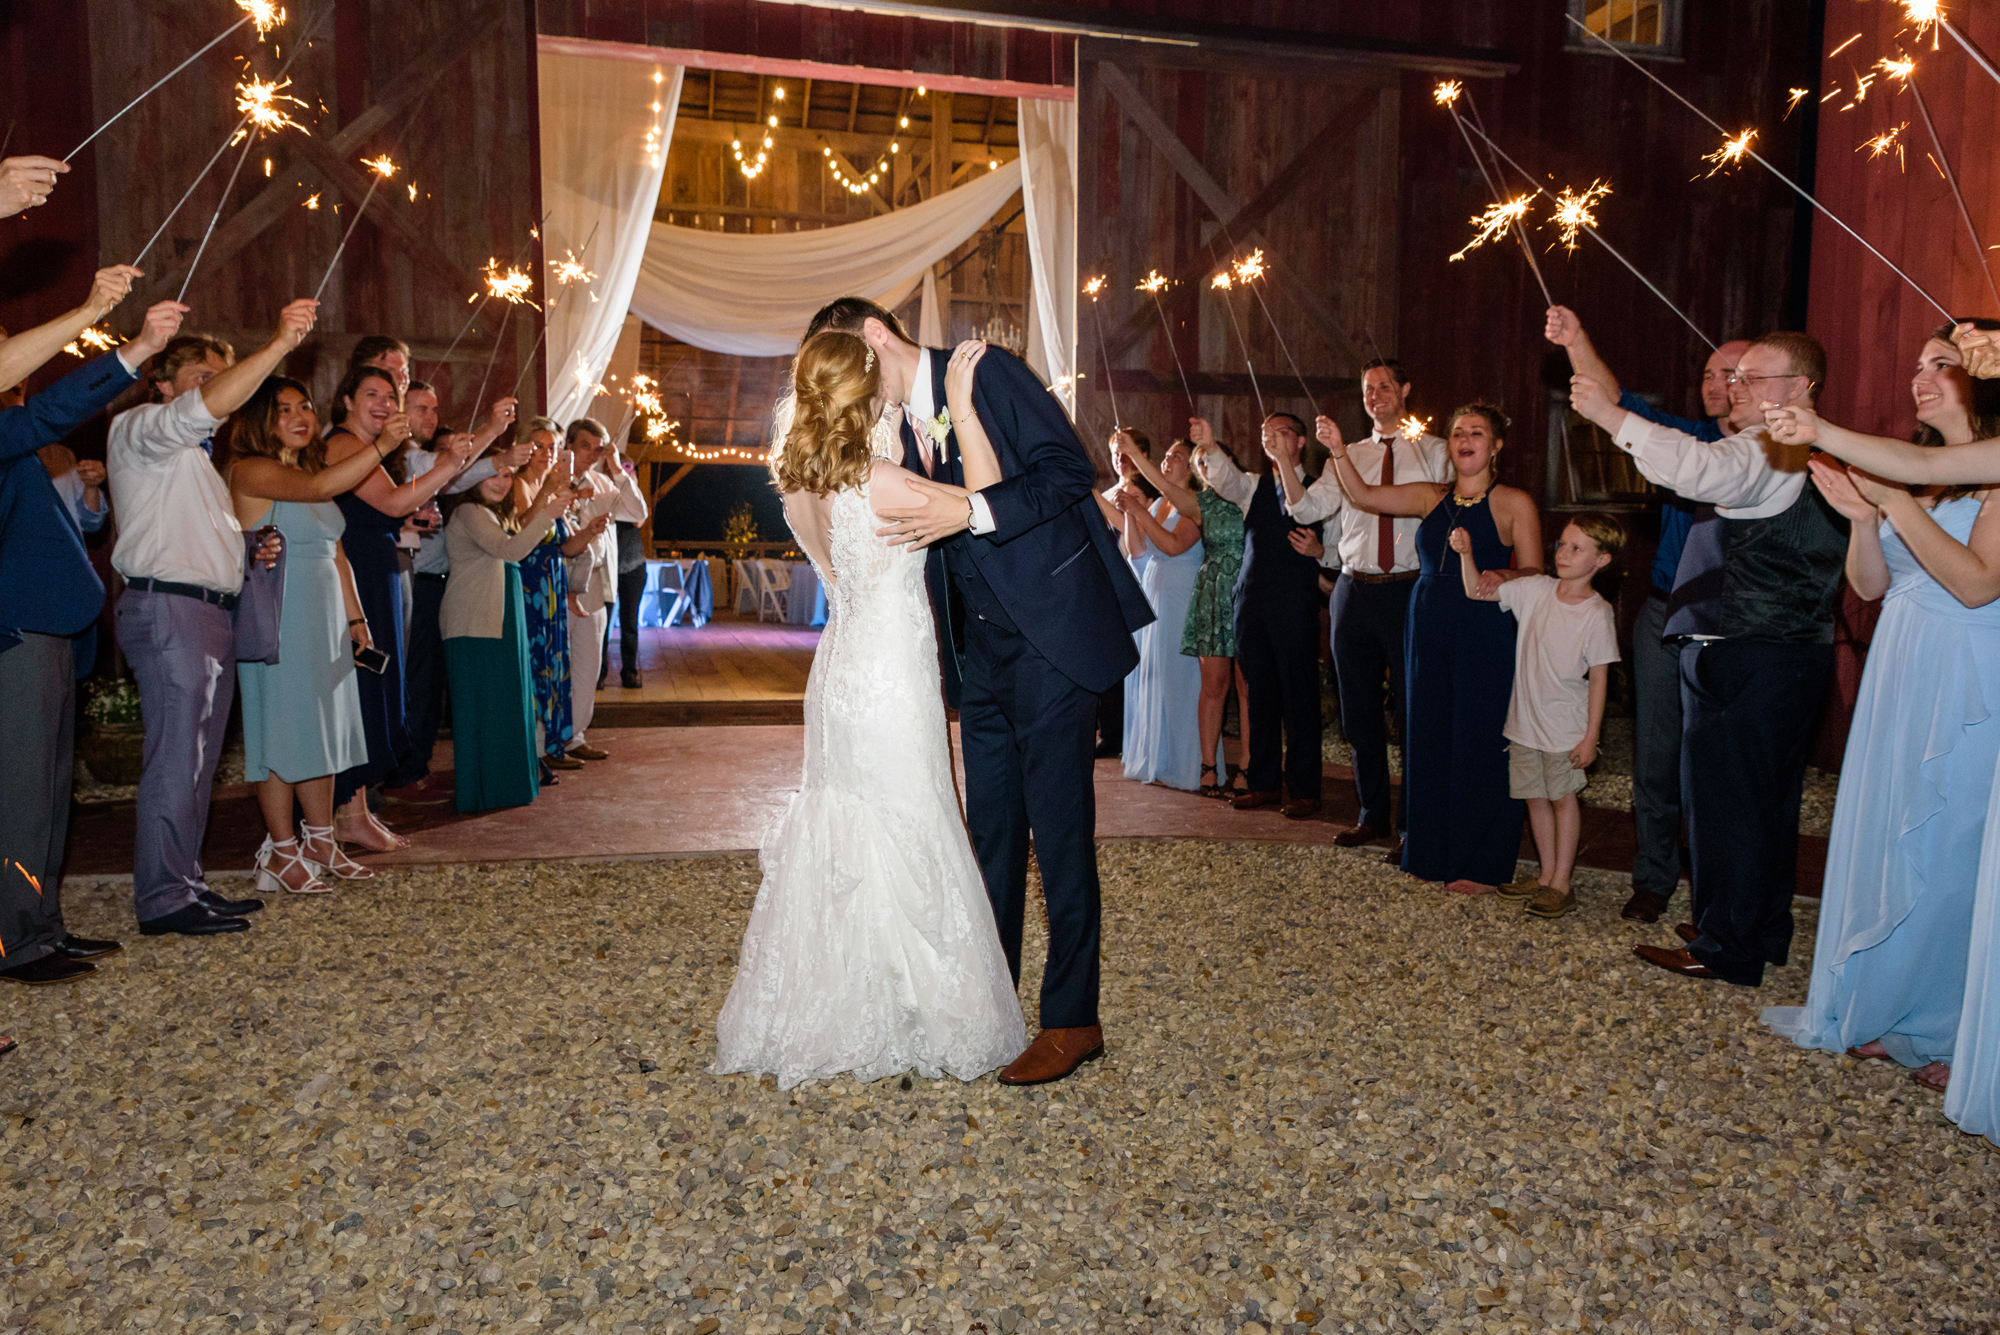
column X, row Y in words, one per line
column 971, row 416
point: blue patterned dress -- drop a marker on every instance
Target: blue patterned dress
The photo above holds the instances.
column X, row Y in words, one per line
column 545, row 589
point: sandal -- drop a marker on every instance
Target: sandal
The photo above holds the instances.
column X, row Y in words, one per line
column 1211, row 789
column 278, row 861
column 1936, row 1076
column 1861, row 1056
column 336, row 863
column 7, row 1045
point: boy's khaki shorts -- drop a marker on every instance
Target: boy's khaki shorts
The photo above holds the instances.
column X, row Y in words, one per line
column 1544, row 774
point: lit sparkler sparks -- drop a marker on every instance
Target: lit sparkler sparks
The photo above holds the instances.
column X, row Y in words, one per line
column 263, row 15
column 29, row 877
column 1495, row 221
column 1221, row 280
column 1155, row 282
column 258, row 100
column 509, row 285
column 1251, row 267
column 312, row 201
column 380, row 166
column 1446, row 93
column 1573, row 212
column 569, row 269
column 1899, row 70
column 1793, row 98
column 91, row 340
column 1093, row 287
column 383, row 169
column 1413, row 427
column 1888, row 140
column 1731, row 154
column 1926, row 15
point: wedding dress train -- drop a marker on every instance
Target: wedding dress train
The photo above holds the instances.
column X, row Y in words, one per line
column 871, row 948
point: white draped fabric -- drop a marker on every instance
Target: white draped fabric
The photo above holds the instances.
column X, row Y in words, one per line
column 1048, row 195
column 601, row 168
column 751, row 294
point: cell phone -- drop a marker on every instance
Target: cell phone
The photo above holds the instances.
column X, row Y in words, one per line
column 371, row 658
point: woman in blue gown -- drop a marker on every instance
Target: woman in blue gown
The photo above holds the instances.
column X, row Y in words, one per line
column 1163, row 694
column 1890, row 964
column 1464, row 828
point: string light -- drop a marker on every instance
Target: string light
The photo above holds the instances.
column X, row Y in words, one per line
column 653, row 141
column 856, row 185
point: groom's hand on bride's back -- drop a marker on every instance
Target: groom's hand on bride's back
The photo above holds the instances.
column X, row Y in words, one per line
column 942, row 511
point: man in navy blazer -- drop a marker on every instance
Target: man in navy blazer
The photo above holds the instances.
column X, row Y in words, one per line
column 49, row 594
column 1036, row 610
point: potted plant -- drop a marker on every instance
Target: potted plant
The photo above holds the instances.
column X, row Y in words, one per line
column 112, row 741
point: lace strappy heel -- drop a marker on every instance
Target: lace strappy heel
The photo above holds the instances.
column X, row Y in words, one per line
column 275, row 861
column 340, row 866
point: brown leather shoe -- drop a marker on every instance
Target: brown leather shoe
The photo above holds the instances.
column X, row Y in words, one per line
column 1054, row 1054
column 1687, row 931
column 1251, row 799
column 561, row 762
column 1674, row 961
column 589, row 753
column 1303, row 808
column 1394, row 857
column 1356, row 835
column 1644, row 906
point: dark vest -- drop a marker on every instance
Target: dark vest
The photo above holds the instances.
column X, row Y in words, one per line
column 1782, row 574
column 1272, row 569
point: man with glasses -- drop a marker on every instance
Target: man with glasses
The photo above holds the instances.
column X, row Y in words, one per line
column 1656, row 661
column 1753, row 608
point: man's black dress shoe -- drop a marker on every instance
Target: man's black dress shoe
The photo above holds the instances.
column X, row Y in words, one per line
column 1394, row 857
column 630, row 681
column 1354, row 836
column 235, row 908
column 1644, row 906
column 74, row 947
column 48, row 969
column 197, row 919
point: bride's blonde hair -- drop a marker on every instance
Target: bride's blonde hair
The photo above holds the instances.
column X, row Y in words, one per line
column 834, row 382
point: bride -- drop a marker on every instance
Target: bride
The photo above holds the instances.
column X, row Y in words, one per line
column 871, row 947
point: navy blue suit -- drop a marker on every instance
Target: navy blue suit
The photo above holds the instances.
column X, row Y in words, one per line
column 1034, row 620
column 48, row 594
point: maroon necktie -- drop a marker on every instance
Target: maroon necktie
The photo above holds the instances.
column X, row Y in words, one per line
column 1385, row 527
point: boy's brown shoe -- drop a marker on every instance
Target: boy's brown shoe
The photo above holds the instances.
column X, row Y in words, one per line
column 1551, row 903
column 1525, row 888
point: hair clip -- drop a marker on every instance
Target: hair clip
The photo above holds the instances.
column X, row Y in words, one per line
column 868, row 361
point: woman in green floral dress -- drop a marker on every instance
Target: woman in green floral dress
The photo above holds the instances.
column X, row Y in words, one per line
column 1211, row 621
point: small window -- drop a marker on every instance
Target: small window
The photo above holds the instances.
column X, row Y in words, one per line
column 1587, row 470
column 1641, row 27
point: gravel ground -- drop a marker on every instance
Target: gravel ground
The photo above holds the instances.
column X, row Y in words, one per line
column 475, row 1100
column 1610, row 783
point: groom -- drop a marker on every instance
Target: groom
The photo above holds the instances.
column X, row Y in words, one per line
column 1035, row 611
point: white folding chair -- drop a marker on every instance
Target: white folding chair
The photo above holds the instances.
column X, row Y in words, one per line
column 747, row 586
column 773, row 587
column 669, row 592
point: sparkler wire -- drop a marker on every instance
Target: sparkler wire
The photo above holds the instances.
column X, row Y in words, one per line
column 249, row 140
column 1167, row 329
column 150, row 91
column 1499, row 194
column 1097, row 318
column 1241, row 342
column 1296, row 373
column 1752, row 153
column 467, row 326
column 1951, row 177
column 341, row 249
column 1610, row 249
column 479, row 401
column 1970, row 50
column 200, row 176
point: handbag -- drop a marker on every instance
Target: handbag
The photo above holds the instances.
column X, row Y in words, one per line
column 260, row 607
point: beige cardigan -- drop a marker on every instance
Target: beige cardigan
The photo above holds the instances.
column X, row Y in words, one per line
column 474, row 597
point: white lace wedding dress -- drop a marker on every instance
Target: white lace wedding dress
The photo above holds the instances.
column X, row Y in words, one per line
column 871, row 948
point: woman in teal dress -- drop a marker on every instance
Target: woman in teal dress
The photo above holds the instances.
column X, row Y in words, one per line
column 1890, row 969
column 1209, row 633
column 1464, row 826
column 1163, row 693
column 484, row 622
column 302, row 721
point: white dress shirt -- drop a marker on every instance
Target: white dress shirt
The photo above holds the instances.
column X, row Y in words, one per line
column 1239, row 488
column 1744, row 476
column 920, row 410
column 1357, row 533
column 593, row 572
column 175, row 521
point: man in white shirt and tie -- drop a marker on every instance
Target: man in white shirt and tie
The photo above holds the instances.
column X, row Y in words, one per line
column 1371, row 600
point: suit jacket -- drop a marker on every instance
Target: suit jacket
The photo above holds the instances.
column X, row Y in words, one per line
column 46, row 582
column 1050, row 563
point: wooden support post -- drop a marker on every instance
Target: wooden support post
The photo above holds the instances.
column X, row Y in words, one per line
column 940, row 142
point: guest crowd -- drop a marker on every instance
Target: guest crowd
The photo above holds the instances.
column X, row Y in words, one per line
column 353, row 572
column 1487, row 654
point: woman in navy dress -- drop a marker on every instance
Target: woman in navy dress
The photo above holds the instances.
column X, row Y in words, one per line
column 1458, row 655
column 368, row 415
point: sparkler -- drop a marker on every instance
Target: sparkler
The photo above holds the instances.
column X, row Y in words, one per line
column 1752, row 154
column 568, row 270
column 1414, row 427
column 1494, row 221
column 383, row 169
column 259, row 101
column 1248, row 271
column 1793, row 98
column 1885, row 142
column 511, row 287
column 1447, row 95
column 1930, row 14
column 91, row 340
column 1905, row 69
column 1222, row 283
column 1588, row 224
column 312, row 201
column 1091, row 289
column 1155, row 280
column 1731, row 154
column 1573, row 212
column 259, row 12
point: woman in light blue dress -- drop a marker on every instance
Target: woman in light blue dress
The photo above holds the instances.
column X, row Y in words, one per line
column 1890, row 962
column 1163, row 693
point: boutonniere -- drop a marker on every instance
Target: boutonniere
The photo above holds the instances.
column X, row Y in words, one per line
column 939, row 428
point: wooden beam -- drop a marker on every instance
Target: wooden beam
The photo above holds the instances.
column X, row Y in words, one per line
column 695, row 130
column 388, row 213
column 1218, row 202
column 672, row 482
column 853, row 107
column 401, row 92
column 941, row 140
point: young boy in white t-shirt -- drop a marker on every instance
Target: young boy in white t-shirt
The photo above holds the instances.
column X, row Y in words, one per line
column 1568, row 640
